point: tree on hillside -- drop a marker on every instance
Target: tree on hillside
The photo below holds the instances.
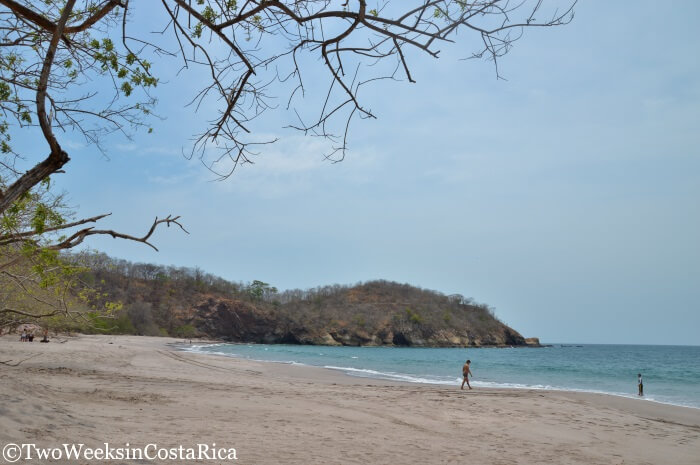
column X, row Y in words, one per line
column 81, row 67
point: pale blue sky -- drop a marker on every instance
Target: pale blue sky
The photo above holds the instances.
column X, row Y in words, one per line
column 567, row 197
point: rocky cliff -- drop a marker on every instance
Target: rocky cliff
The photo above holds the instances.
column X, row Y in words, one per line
column 376, row 324
column 189, row 303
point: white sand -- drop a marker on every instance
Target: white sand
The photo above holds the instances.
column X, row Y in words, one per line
column 139, row 390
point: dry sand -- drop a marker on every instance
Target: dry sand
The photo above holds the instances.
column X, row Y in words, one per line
column 140, row 390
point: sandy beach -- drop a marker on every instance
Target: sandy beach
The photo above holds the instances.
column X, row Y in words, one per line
column 141, row 390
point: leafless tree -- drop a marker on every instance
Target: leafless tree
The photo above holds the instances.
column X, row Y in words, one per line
column 79, row 66
column 249, row 47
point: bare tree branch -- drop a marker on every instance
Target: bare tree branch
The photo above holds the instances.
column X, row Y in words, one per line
column 71, row 66
column 79, row 236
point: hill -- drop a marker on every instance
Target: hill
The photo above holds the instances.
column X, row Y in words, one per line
column 188, row 302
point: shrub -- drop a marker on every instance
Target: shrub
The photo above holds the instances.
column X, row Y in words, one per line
column 186, row 331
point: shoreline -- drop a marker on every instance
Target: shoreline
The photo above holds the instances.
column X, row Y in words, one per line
column 131, row 389
column 681, row 414
column 183, row 347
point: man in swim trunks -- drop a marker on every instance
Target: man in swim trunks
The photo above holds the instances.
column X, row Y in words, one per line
column 640, row 384
column 466, row 372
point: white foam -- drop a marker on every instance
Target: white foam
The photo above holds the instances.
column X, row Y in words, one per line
column 204, row 346
column 437, row 380
column 366, row 373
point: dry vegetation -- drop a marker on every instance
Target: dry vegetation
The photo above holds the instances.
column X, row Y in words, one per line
column 186, row 302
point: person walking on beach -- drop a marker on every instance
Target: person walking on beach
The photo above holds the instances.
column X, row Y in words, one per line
column 640, row 384
column 466, row 372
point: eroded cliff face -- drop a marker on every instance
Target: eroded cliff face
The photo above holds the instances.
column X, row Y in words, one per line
column 189, row 303
column 239, row 321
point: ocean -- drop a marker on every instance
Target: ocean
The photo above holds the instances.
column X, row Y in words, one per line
column 671, row 373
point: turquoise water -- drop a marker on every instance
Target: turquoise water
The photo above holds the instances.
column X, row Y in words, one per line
column 671, row 373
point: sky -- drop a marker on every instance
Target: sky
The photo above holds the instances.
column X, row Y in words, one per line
column 566, row 196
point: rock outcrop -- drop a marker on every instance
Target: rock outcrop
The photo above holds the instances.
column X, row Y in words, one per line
column 239, row 321
column 189, row 303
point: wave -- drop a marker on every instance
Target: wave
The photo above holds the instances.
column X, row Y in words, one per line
column 391, row 376
column 428, row 379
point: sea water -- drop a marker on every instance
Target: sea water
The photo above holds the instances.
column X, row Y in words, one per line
column 671, row 373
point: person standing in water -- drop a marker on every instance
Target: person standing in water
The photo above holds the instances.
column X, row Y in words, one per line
column 640, row 384
column 466, row 372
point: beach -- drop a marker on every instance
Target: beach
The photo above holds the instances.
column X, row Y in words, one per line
column 142, row 390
